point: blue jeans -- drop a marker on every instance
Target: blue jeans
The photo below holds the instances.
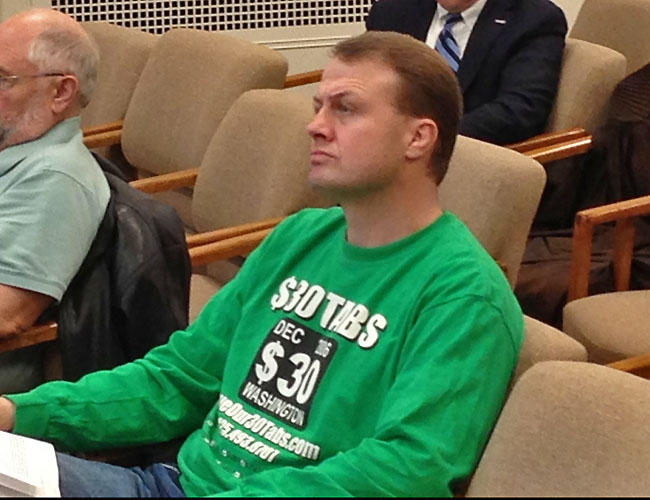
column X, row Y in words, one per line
column 85, row 478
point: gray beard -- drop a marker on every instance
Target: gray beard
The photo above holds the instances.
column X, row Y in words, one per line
column 4, row 132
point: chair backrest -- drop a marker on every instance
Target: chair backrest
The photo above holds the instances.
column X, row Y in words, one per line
column 495, row 192
column 588, row 76
column 619, row 24
column 257, row 162
column 123, row 53
column 542, row 342
column 191, row 79
column 569, row 429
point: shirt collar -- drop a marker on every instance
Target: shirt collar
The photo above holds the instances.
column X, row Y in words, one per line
column 62, row 132
column 470, row 15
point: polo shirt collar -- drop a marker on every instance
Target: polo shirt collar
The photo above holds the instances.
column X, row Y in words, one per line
column 62, row 132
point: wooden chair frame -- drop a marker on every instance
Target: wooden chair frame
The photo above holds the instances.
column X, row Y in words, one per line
column 548, row 139
column 624, row 214
column 638, row 365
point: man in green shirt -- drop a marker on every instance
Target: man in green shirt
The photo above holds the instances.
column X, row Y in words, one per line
column 361, row 350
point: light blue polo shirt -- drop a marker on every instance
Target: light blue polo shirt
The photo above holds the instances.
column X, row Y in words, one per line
column 53, row 196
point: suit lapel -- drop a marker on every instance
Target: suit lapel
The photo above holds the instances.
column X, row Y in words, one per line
column 485, row 32
column 420, row 23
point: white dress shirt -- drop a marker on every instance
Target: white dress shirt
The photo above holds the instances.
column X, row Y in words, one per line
column 461, row 30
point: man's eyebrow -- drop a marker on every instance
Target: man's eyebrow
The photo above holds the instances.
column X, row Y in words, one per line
column 334, row 96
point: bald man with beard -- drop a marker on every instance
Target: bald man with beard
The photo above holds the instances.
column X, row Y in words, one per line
column 53, row 194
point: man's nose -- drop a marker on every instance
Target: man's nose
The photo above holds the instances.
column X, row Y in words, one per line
column 319, row 126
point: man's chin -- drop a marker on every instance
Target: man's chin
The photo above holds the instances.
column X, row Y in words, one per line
column 323, row 187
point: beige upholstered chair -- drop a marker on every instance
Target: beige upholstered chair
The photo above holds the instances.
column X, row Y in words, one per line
column 612, row 326
column 123, row 54
column 255, row 168
column 542, row 342
column 189, row 82
column 615, row 325
column 588, row 76
column 569, row 429
column 619, row 24
column 495, row 192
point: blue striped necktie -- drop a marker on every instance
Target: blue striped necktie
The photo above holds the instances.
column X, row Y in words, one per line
column 446, row 43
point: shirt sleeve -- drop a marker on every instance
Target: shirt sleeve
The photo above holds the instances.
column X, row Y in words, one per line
column 164, row 395
column 436, row 419
column 47, row 226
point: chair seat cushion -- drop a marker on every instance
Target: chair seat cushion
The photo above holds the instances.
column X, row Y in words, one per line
column 612, row 326
column 545, row 343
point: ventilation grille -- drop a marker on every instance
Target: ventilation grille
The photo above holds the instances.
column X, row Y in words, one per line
column 215, row 15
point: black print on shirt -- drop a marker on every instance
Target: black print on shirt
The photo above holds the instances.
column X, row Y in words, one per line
column 287, row 370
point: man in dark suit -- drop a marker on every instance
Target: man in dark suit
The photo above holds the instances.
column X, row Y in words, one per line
column 510, row 55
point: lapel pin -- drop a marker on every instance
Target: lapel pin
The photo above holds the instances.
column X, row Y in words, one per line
column 500, row 21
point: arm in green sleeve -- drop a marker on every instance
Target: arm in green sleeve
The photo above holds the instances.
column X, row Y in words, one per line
column 454, row 371
column 161, row 396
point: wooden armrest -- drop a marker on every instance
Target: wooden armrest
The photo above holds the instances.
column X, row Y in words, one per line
column 35, row 335
column 303, row 78
column 166, row 182
column 548, row 139
column 547, row 154
column 624, row 213
column 104, row 127
column 107, row 138
column 225, row 249
column 633, row 207
column 196, row 240
column 638, row 365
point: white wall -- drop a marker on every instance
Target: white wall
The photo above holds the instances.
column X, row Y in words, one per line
column 305, row 47
column 10, row 7
column 570, row 8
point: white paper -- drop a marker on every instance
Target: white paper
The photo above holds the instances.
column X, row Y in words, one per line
column 28, row 467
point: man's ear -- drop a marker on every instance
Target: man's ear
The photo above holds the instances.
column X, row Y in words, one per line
column 424, row 136
column 65, row 93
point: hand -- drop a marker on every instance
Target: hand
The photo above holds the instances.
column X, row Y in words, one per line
column 7, row 415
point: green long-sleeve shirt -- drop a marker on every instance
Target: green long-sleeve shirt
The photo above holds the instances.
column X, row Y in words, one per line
column 322, row 369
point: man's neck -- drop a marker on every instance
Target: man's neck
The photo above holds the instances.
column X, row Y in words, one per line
column 383, row 218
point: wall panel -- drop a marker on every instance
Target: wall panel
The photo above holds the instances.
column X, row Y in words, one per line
column 157, row 16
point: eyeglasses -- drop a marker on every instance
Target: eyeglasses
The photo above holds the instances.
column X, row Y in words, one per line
column 8, row 81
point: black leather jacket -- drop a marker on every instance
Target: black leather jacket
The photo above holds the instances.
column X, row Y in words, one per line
column 132, row 290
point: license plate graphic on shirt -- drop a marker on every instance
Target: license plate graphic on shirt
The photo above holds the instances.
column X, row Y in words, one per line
column 287, row 370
